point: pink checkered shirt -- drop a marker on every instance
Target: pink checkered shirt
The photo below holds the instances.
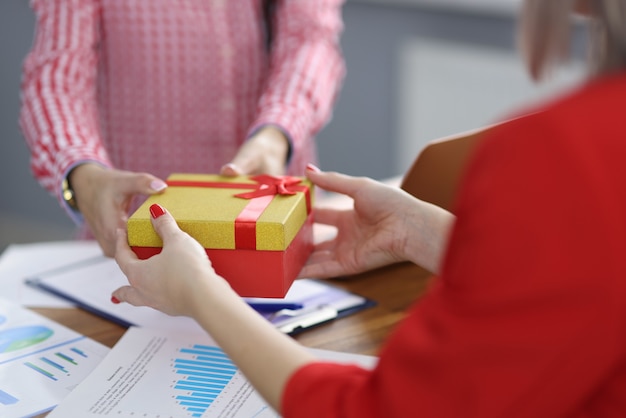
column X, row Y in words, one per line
column 164, row 86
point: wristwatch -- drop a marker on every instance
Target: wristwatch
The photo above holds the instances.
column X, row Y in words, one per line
column 68, row 194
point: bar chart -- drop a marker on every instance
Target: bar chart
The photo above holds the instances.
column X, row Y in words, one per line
column 154, row 373
column 7, row 399
column 56, row 364
column 205, row 371
column 40, row 361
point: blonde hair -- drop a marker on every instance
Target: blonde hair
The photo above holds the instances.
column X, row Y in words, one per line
column 545, row 34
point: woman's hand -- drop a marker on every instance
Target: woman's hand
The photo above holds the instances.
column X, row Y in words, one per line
column 181, row 281
column 170, row 280
column 263, row 153
column 103, row 196
column 387, row 225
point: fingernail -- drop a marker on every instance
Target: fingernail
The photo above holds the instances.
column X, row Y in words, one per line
column 115, row 300
column 158, row 185
column 156, row 210
column 232, row 167
column 313, row 167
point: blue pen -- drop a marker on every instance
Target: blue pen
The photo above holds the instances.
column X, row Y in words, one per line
column 274, row 306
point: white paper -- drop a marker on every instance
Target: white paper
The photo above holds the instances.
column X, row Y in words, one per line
column 91, row 282
column 154, row 374
column 19, row 261
column 41, row 361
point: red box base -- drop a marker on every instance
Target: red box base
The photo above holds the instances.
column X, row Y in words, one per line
column 254, row 273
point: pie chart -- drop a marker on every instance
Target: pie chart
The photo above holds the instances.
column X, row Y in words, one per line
column 14, row 339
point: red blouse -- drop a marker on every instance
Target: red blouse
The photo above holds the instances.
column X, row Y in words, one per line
column 528, row 316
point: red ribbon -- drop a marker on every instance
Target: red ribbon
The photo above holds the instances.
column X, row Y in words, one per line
column 265, row 189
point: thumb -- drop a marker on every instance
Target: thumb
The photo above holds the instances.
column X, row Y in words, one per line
column 145, row 184
column 163, row 223
column 129, row 295
column 231, row 170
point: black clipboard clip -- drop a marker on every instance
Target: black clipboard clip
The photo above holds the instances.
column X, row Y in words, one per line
column 291, row 321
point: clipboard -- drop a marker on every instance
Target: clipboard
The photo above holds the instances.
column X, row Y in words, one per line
column 321, row 302
column 89, row 283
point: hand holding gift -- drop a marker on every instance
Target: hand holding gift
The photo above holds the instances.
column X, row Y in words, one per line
column 256, row 230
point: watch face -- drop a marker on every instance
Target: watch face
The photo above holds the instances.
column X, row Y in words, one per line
column 68, row 194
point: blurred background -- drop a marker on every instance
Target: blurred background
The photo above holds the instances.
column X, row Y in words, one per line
column 418, row 70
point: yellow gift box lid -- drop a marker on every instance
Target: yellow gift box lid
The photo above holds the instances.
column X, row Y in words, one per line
column 205, row 206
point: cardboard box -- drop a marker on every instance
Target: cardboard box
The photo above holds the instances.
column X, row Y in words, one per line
column 257, row 230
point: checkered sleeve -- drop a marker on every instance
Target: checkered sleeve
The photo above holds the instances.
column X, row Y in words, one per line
column 306, row 69
column 58, row 115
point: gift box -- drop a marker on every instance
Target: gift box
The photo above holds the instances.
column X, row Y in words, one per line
column 257, row 230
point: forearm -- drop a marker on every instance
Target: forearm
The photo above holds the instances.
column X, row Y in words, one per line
column 307, row 69
column 266, row 356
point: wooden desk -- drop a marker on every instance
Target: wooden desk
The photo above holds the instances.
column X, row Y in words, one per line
column 394, row 288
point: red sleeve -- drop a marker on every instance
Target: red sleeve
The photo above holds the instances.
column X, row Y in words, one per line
column 306, row 69
column 527, row 317
column 58, row 115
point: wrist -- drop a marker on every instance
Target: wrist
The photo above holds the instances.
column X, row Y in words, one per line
column 77, row 181
column 427, row 248
column 274, row 142
column 210, row 294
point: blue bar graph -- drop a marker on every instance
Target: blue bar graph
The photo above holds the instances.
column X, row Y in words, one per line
column 79, row 352
column 53, row 364
column 205, row 372
column 40, row 370
column 66, row 358
column 7, row 399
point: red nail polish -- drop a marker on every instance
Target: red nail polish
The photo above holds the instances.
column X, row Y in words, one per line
column 115, row 300
column 156, row 210
column 313, row 167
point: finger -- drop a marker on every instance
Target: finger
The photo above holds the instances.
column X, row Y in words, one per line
column 123, row 253
column 327, row 216
column 322, row 263
column 99, row 229
column 337, row 182
column 107, row 246
column 322, row 270
column 320, row 256
column 107, row 236
column 246, row 163
column 230, row 170
column 327, row 245
column 163, row 223
column 129, row 295
column 143, row 183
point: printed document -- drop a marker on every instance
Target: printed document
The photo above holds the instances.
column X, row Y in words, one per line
column 154, row 374
column 41, row 361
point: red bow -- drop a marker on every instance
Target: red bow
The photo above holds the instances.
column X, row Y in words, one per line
column 270, row 185
column 264, row 191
